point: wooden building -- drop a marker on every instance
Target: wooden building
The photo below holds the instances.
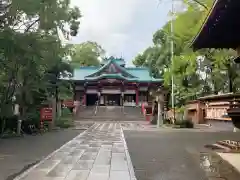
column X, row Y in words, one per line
column 221, row 30
column 221, row 27
column 211, row 108
column 113, row 84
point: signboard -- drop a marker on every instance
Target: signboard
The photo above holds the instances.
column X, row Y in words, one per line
column 111, row 91
column 46, row 114
column 92, row 91
column 68, row 103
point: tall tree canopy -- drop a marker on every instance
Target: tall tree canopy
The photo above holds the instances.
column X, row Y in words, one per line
column 87, row 54
column 31, row 54
column 208, row 71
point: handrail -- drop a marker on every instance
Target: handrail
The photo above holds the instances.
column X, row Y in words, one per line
column 96, row 109
column 123, row 109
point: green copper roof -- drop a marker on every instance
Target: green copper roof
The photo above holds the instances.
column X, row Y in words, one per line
column 133, row 74
column 110, row 76
column 118, row 61
column 107, row 65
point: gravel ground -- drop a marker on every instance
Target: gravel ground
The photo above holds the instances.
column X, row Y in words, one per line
column 17, row 154
column 175, row 155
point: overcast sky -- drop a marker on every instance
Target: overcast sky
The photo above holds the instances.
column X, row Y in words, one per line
column 122, row 27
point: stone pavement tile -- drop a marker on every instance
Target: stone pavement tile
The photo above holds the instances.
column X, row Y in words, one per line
column 98, row 176
column 83, row 147
column 36, row 175
column 103, row 158
column 106, row 147
column 69, row 160
column 119, row 162
column 83, row 165
column 93, row 149
column 130, row 166
column 48, row 164
column 100, row 169
column 73, row 144
column 66, row 149
column 232, row 158
column 95, row 144
column 88, row 156
column 61, row 170
column 99, row 154
column 77, row 175
column 118, row 150
column 107, row 143
column 39, row 175
column 118, row 145
column 119, row 175
column 77, row 153
column 59, row 155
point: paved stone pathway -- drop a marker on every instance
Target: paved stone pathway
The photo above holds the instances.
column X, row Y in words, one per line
column 100, row 153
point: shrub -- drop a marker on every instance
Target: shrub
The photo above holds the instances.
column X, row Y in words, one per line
column 64, row 123
column 31, row 123
column 9, row 123
column 184, row 123
column 166, row 121
column 66, row 112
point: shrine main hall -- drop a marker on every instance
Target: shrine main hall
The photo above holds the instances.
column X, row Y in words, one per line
column 113, row 84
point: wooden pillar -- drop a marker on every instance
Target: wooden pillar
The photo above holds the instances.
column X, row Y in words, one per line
column 238, row 50
column 137, row 95
column 122, row 94
column 84, row 103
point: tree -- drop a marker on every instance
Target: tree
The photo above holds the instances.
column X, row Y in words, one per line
column 195, row 73
column 87, row 54
column 30, row 49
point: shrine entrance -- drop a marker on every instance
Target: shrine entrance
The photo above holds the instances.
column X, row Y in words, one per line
column 111, row 99
column 91, row 99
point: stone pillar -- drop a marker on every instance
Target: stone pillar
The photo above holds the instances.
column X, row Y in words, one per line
column 160, row 113
column 161, row 99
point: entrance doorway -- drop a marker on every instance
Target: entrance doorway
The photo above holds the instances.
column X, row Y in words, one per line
column 91, row 99
column 112, row 99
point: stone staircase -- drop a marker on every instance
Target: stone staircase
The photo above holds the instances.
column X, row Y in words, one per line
column 109, row 113
column 133, row 114
column 85, row 112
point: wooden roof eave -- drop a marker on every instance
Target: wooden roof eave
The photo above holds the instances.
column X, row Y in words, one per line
column 203, row 25
column 107, row 64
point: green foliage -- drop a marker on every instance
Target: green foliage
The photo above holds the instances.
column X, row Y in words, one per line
column 184, row 124
column 66, row 120
column 64, row 123
column 66, row 112
column 10, row 123
column 196, row 74
column 32, row 57
column 87, row 54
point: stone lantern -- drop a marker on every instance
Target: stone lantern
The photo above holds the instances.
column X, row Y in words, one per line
column 161, row 94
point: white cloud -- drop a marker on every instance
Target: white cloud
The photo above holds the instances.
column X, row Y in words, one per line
column 121, row 27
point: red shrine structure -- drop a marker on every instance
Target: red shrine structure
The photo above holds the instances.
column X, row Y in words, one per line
column 113, row 84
